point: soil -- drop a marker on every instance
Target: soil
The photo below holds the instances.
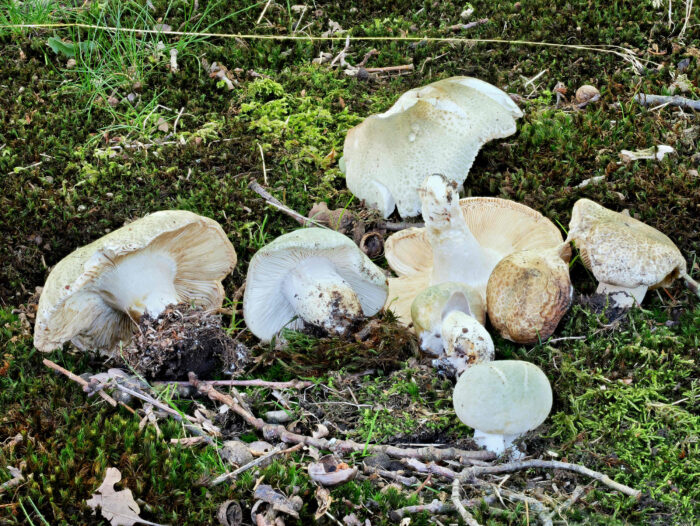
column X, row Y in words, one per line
column 182, row 339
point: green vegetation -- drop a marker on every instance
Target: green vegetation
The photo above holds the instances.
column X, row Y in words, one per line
column 84, row 148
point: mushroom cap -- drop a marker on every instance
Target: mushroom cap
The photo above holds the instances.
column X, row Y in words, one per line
column 435, row 128
column 621, row 250
column 76, row 306
column 430, row 306
column 504, row 397
column 500, row 226
column 265, row 308
column 527, row 294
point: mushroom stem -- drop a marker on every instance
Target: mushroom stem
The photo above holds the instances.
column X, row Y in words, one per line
column 466, row 341
column 691, row 284
column 457, row 254
column 321, row 297
column 495, row 443
column 139, row 283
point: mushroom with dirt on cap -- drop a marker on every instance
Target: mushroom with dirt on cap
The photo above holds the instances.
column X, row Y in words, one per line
column 528, row 293
column 95, row 295
column 501, row 401
column 624, row 254
column 314, row 276
column 448, row 319
column 435, row 128
column 463, row 240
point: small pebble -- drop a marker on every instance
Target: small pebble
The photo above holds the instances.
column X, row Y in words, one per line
column 236, row 452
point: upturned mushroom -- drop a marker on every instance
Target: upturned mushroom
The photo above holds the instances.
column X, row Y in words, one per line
column 448, row 319
column 624, row 254
column 314, row 276
column 501, row 401
column 436, row 128
column 462, row 241
column 528, row 293
column 95, row 295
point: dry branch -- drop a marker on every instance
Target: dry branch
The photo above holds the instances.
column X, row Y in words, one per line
column 667, row 100
column 273, row 201
column 467, row 517
column 279, row 432
column 77, row 379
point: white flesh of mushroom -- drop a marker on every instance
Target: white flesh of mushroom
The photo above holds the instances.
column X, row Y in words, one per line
column 139, row 283
column 320, row 296
column 497, row 443
column 637, row 293
column 466, row 341
column 457, row 255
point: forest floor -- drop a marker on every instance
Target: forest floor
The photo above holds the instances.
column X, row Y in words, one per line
column 97, row 129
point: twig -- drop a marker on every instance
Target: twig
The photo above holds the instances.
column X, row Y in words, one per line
column 77, row 379
column 292, row 384
column 262, row 156
column 173, row 60
column 467, row 517
column 262, row 14
column 177, row 119
column 233, row 474
column 395, row 227
column 272, row 201
column 16, row 479
column 436, row 507
column 392, row 475
column 20, row 168
column 460, row 27
column 341, row 56
column 575, row 495
column 564, row 338
column 389, row 69
column 541, row 510
column 672, row 100
column 476, row 471
column 279, row 432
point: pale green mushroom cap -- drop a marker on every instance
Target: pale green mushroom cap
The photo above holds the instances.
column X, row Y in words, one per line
column 504, row 398
column 438, row 128
column 94, row 296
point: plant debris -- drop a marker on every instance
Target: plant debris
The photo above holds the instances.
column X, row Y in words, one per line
column 118, row 507
column 182, row 339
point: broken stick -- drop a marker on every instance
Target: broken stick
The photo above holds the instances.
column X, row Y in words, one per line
column 671, row 100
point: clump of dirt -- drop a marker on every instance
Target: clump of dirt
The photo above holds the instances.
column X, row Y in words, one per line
column 182, row 339
column 602, row 304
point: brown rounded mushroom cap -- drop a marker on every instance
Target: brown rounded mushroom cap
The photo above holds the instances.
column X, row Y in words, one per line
column 527, row 294
column 435, row 128
column 81, row 300
column 500, row 226
column 622, row 251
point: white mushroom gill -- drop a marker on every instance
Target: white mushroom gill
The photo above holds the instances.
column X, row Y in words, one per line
column 457, row 254
column 139, row 282
column 320, row 296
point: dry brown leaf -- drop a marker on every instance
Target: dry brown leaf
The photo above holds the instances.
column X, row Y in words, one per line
column 324, row 500
column 118, row 507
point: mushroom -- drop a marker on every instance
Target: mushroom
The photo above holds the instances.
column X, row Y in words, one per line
column 623, row 253
column 95, row 295
column 528, row 293
column 432, row 306
column 502, row 400
column 312, row 275
column 436, row 128
column 462, row 241
column 467, row 342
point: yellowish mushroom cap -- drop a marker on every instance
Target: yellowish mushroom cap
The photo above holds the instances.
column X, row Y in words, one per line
column 622, row 252
column 94, row 295
column 528, row 293
column 432, row 304
column 438, row 128
column 500, row 226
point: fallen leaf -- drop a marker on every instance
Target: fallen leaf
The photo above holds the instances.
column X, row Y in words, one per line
column 118, row 507
column 324, row 500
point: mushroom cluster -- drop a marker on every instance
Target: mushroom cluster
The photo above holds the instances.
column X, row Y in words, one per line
column 475, row 257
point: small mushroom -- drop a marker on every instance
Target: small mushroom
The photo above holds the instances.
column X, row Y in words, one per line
column 623, row 253
column 431, row 307
column 502, row 400
column 436, row 128
column 462, row 241
column 528, row 293
column 95, row 295
column 467, row 342
column 311, row 275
